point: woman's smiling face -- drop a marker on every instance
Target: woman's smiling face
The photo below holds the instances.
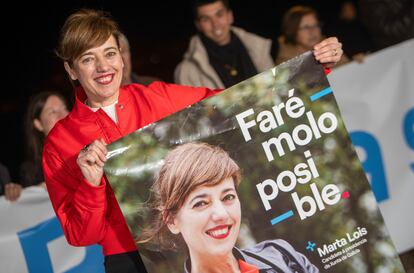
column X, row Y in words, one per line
column 209, row 219
column 99, row 71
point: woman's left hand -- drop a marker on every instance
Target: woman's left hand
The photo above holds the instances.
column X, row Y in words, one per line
column 328, row 52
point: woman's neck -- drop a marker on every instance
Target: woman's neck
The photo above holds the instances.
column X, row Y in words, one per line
column 214, row 264
column 100, row 104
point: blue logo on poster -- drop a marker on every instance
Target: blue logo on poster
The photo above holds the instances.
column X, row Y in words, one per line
column 34, row 244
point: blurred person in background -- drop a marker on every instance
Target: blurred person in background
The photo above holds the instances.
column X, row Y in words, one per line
column 221, row 55
column 44, row 110
column 129, row 76
column 301, row 31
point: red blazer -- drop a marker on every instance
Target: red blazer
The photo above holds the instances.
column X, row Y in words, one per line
column 90, row 214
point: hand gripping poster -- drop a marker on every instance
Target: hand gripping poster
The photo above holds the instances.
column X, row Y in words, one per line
column 259, row 178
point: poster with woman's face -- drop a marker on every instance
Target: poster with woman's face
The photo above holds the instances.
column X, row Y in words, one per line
column 262, row 177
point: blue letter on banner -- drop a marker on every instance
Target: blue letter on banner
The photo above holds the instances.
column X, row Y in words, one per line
column 34, row 244
column 373, row 164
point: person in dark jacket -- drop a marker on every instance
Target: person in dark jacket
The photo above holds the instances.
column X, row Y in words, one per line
column 195, row 197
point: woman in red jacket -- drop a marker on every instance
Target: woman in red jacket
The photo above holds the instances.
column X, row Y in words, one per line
column 75, row 150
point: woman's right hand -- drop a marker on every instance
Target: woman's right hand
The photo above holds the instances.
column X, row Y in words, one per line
column 91, row 161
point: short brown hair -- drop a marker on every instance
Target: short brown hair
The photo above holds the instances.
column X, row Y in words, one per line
column 291, row 22
column 83, row 30
column 186, row 167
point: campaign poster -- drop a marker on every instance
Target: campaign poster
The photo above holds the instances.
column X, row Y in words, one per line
column 262, row 177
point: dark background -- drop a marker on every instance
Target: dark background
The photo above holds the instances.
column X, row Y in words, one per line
column 158, row 31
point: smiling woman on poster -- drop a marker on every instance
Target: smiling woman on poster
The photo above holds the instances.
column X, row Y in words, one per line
column 195, row 199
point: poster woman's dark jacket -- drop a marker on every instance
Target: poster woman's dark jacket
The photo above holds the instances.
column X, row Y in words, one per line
column 272, row 256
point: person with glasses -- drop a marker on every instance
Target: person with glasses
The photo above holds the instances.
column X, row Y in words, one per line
column 301, row 31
